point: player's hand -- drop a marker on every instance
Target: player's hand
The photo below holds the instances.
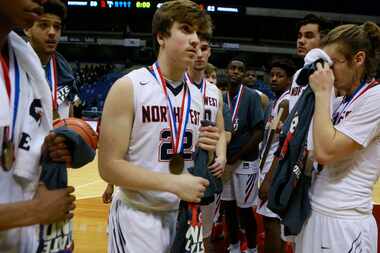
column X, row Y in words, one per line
column 190, row 188
column 55, row 146
column 322, row 80
column 217, row 168
column 53, row 206
column 208, row 138
column 107, row 194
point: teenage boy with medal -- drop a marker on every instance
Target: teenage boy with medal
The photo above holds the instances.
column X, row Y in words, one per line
column 213, row 101
column 348, row 146
column 25, row 121
column 240, row 190
column 44, row 36
column 150, row 116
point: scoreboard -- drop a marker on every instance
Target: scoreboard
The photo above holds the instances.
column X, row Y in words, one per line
column 212, row 6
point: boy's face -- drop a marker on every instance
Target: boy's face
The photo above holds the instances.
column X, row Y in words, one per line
column 279, row 81
column 212, row 78
column 204, row 53
column 20, row 13
column 235, row 72
column 250, row 78
column 345, row 70
column 308, row 38
column 45, row 33
column 182, row 45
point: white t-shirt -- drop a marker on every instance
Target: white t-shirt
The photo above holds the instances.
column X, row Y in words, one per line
column 344, row 188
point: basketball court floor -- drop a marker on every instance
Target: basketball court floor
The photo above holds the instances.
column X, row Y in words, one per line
column 90, row 220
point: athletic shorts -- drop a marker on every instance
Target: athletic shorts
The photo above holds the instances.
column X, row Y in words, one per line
column 132, row 230
column 327, row 234
column 242, row 187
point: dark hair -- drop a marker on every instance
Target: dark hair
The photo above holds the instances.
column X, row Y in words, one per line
column 286, row 64
column 222, row 79
column 323, row 25
column 182, row 11
column 353, row 38
column 55, row 7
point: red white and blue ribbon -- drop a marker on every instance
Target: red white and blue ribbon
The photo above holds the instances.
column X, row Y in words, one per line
column 11, row 70
column 177, row 130
column 235, row 110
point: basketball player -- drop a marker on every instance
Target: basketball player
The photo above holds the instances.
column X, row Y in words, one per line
column 282, row 70
column 44, row 36
column 150, row 126
column 348, row 146
column 210, row 73
column 213, row 112
column 266, row 94
column 25, row 120
column 310, row 32
column 242, row 154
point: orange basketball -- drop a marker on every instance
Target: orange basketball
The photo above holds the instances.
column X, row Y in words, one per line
column 81, row 127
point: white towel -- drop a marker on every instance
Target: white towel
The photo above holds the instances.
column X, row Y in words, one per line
column 26, row 165
column 315, row 54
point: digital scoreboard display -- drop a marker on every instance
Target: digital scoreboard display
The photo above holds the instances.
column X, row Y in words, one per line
column 210, row 6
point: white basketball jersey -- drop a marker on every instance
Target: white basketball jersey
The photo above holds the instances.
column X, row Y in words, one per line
column 275, row 142
column 211, row 97
column 150, row 142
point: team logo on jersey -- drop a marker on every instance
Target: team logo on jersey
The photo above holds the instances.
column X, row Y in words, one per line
column 295, row 91
column 289, row 136
column 144, row 82
column 55, row 237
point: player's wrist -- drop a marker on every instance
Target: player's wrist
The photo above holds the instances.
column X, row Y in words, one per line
column 35, row 211
column 170, row 184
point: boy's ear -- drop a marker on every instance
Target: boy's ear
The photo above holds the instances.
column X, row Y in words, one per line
column 359, row 58
column 160, row 39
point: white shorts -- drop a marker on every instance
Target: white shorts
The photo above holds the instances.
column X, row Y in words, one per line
column 242, row 187
column 326, row 234
column 209, row 214
column 132, row 231
column 262, row 208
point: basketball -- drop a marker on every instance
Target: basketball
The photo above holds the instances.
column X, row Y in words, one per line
column 81, row 127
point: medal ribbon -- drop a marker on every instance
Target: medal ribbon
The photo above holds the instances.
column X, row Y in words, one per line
column 235, row 110
column 6, row 70
column 177, row 132
column 347, row 101
column 53, row 80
